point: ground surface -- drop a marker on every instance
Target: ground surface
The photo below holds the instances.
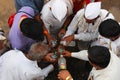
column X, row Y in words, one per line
column 7, row 7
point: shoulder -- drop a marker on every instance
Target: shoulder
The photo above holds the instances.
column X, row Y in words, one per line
column 106, row 14
column 80, row 12
column 104, row 11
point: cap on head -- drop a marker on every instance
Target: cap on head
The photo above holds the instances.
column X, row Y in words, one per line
column 109, row 28
column 59, row 9
column 2, row 34
column 92, row 10
column 32, row 28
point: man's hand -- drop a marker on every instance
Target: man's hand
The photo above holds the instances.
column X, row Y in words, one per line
column 68, row 39
column 66, row 53
column 64, row 75
column 61, row 33
column 48, row 58
column 51, row 41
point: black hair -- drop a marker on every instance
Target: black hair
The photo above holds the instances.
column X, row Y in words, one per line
column 99, row 55
column 109, row 28
column 32, row 28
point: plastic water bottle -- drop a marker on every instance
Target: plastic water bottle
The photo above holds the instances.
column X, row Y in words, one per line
column 62, row 63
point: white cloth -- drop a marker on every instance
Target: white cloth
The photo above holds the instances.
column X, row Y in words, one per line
column 51, row 23
column 111, row 72
column 80, row 55
column 15, row 66
column 102, row 41
column 92, row 10
column 114, row 46
column 86, row 32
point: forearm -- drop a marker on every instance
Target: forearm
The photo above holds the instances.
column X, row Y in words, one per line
column 72, row 26
column 47, row 70
column 83, row 55
column 86, row 36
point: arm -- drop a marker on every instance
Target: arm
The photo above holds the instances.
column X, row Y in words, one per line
column 83, row 55
column 47, row 70
column 74, row 23
column 65, row 25
column 86, row 36
column 38, row 73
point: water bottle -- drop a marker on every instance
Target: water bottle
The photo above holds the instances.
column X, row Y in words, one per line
column 62, row 63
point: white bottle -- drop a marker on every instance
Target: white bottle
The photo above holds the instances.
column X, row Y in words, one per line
column 62, row 63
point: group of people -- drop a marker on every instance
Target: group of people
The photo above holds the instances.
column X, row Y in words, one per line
column 39, row 22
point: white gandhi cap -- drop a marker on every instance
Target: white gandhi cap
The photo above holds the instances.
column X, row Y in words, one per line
column 92, row 10
column 59, row 9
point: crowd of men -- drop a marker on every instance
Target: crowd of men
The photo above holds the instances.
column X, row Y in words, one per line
column 41, row 26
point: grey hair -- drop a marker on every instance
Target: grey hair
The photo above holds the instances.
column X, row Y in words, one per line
column 38, row 49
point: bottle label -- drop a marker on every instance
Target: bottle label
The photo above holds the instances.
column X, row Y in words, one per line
column 62, row 66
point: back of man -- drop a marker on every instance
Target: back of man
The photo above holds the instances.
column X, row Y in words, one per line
column 17, row 66
column 111, row 72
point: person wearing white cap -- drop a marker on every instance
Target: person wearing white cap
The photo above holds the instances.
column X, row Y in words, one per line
column 54, row 14
column 86, row 22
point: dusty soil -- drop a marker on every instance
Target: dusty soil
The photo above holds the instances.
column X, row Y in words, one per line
column 6, row 8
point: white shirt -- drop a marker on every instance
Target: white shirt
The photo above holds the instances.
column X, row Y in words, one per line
column 86, row 32
column 51, row 23
column 111, row 72
column 114, row 46
column 15, row 66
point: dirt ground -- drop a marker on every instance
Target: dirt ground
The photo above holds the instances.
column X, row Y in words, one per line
column 7, row 7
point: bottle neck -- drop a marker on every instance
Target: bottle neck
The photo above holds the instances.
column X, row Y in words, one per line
column 61, row 55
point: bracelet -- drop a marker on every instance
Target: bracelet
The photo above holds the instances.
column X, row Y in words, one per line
column 68, row 78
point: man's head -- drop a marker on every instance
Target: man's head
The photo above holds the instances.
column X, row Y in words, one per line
column 99, row 55
column 92, row 11
column 38, row 51
column 32, row 28
column 110, row 29
column 59, row 9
